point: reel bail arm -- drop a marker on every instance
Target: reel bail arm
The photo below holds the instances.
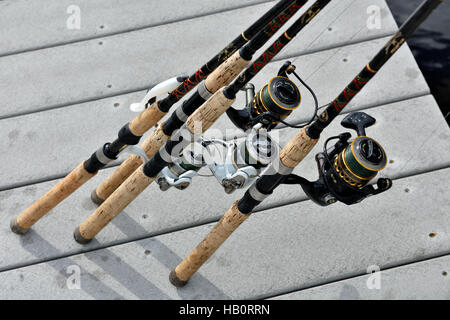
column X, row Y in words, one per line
column 164, row 87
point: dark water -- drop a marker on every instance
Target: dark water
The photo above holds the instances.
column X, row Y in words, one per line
column 431, row 47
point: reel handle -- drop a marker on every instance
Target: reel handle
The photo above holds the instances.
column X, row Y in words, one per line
column 250, row 93
column 358, row 121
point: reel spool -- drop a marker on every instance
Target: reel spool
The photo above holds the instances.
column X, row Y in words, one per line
column 346, row 169
column 271, row 105
column 360, row 162
column 257, row 150
column 244, row 162
column 280, row 97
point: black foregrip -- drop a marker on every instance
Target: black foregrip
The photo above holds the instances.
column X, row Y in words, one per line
column 267, row 183
column 172, row 124
column 125, row 138
column 92, row 165
column 189, row 106
column 247, row 204
column 153, row 167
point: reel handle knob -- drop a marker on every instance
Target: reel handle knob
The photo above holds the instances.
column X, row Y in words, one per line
column 358, row 121
column 384, row 184
column 286, row 68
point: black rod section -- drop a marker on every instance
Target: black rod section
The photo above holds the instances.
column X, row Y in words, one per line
column 273, row 50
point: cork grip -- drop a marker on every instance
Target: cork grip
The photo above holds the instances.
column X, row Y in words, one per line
column 150, row 146
column 112, row 206
column 226, row 72
column 209, row 112
column 232, row 219
column 297, row 149
column 146, row 120
column 51, row 199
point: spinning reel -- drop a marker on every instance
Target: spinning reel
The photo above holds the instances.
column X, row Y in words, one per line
column 272, row 104
column 346, row 168
column 242, row 162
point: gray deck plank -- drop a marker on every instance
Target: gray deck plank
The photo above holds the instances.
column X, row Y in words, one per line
column 98, row 18
column 130, row 61
column 151, row 213
column 273, row 252
column 418, row 281
column 57, row 140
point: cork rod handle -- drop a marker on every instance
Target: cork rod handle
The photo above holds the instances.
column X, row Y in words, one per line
column 146, row 120
column 232, row 219
column 51, row 199
column 226, row 72
column 205, row 116
column 297, row 149
column 112, row 206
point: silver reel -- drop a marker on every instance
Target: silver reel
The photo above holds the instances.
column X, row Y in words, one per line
column 240, row 166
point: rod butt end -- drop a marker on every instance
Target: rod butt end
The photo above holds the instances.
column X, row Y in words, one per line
column 95, row 198
column 16, row 228
column 79, row 238
column 177, row 282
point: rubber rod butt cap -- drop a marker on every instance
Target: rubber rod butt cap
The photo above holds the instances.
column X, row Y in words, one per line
column 95, row 198
column 16, row 228
column 79, row 238
column 177, row 282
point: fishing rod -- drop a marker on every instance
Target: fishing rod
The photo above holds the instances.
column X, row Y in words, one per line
column 205, row 116
column 131, row 133
column 366, row 161
column 219, row 78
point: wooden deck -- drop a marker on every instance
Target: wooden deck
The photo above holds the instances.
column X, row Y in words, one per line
column 66, row 92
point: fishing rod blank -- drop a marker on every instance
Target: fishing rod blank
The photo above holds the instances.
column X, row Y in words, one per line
column 206, row 115
column 293, row 153
column 131, row 133
column 218, row 79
